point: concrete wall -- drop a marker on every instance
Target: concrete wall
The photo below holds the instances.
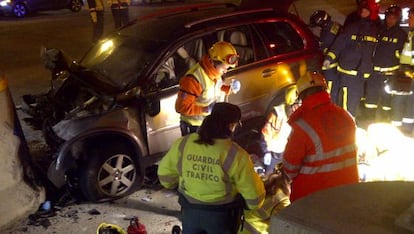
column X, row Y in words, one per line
column 19, row 193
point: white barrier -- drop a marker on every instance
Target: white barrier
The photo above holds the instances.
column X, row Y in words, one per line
column 18, row 196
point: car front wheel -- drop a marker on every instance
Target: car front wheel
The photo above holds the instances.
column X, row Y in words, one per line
column 19, row 10
column 110, row 173
column 75, row 5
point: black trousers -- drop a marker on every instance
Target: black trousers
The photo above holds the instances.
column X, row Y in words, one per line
column 120, row 16
column 211, row 219
column 204, row 221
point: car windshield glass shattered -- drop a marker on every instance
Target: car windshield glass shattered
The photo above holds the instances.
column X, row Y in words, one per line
column 120, row 60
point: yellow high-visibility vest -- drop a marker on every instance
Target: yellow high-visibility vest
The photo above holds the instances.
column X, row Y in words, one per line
column 407, row 54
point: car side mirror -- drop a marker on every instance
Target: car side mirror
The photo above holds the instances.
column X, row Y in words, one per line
column 152, row 107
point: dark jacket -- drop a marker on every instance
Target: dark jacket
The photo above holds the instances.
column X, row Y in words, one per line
column 389, row 46
column 353, row 48
column 328, row 35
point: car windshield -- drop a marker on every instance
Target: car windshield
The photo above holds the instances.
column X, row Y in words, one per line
column 121, row 58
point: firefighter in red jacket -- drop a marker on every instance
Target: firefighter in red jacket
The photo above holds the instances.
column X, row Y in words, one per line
column 202, row 86
column 210, row 172
column 321, row 150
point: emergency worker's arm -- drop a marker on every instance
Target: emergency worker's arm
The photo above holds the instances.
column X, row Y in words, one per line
column 190, row 89
column 338, row 45
column 281, row 201
column 167, row 168
column 247, row 181
column 400, row 45
column 294, row 153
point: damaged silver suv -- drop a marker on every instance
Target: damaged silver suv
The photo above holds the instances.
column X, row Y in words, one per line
column 111, row 115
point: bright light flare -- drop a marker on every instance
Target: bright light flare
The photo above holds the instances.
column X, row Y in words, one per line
column 106, row 46
column 385, row 154
column 5, row 3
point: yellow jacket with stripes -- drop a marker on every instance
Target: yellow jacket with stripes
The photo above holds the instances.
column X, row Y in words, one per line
column 211, row 174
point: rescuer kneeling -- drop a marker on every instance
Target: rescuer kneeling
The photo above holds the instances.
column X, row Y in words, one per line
column 214, row 176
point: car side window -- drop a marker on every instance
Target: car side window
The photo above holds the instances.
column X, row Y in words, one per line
column 240, row 38
column 280, row 37
column 175, row 66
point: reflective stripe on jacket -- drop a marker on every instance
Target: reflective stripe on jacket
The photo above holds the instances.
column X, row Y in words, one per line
column 211, row 174
column 328, row 35
column 386, row 56
column 353, row 47
column 210, row 92
column 407, row 54
column 321, row 150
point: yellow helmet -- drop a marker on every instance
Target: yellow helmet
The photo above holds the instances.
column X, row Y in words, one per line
column 224, row 52
column 108, row 228
column 291, row 94
column 309, row 80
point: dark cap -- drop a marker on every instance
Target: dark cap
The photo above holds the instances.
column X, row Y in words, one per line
column 394, row 10
column 226, row 113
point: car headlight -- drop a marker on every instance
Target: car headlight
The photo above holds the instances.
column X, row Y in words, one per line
column 5, row 3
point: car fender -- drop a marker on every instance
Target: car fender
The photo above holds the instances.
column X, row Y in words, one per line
column 67, row 155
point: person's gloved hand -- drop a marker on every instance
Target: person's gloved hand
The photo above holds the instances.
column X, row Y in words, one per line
column 267, row 159
column 94, row 17
column 235, row 86
column 209, row 108
column 326, row 63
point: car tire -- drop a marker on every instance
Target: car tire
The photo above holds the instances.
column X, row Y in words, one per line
column 19, row 10
column 75, row 5
column 111, row 172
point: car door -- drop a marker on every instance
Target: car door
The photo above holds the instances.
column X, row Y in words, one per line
column 163, row 128
column 278, row 62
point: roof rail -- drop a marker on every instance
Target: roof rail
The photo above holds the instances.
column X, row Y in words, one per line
column 183, row 9
column 189, row 25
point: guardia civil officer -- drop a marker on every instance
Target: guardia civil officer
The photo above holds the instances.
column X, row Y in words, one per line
column 210, row 172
